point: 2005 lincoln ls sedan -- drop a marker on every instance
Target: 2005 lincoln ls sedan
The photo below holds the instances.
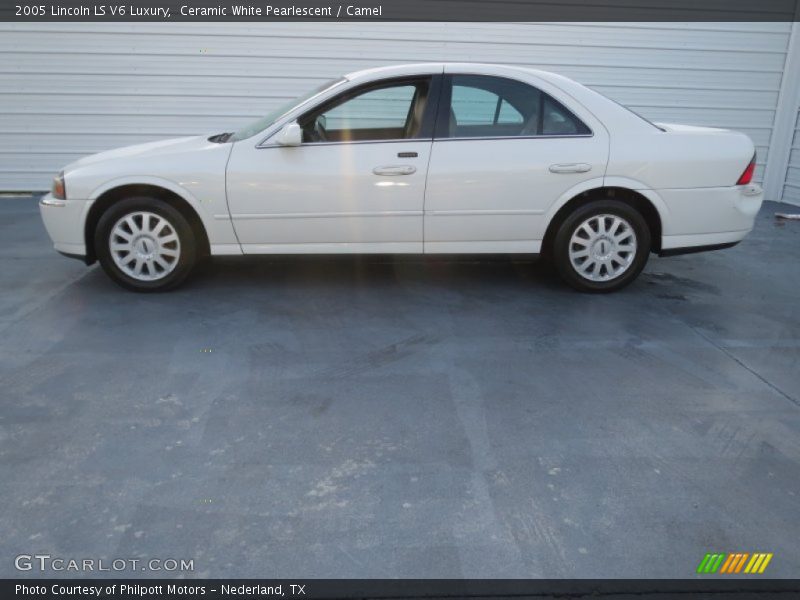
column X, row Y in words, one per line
column 430, row 158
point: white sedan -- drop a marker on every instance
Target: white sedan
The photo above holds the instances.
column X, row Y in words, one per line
column 423, row 159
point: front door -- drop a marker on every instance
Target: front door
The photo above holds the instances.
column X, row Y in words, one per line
column 355, row 184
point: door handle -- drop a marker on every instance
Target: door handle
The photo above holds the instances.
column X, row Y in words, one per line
column 570, row 168
column 395, row 170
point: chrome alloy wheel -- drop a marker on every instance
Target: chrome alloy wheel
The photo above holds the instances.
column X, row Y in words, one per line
column 144, row 245
column 602, row 247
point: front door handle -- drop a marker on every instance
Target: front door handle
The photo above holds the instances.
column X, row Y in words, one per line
column 395, row 170
column 570, row 168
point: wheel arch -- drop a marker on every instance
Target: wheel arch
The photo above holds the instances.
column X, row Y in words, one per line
column 105, row 197
column 646, row 202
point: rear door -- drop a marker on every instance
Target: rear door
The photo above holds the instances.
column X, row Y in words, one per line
column 504, row 152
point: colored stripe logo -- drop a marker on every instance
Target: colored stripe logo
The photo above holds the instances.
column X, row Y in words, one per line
column 737, row 562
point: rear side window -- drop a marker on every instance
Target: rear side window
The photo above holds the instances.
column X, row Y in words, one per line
column 475, row 106
column 557, row 120
column 491, row 107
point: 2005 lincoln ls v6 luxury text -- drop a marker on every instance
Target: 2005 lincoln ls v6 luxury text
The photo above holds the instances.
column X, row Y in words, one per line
column 431, row 158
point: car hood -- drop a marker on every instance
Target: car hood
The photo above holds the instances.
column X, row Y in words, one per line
column 163, row 147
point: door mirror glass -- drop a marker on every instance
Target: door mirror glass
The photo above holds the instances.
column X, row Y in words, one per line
column 290, row 135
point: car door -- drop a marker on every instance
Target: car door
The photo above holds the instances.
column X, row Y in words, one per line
column 355, row 184
column 504, row 152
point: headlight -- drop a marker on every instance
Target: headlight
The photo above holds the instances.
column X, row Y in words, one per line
column 59, row 189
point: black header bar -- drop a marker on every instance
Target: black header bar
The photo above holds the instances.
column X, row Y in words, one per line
column 399, row 10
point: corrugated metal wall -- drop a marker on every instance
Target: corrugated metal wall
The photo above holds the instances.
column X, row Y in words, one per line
column 791, row 188
column 72, row 89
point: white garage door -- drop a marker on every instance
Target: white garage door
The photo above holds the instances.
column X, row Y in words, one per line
column 73, row 89
column 791, row 189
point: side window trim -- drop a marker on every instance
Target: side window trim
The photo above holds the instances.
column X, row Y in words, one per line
column 497, row 106
column 441, row 130
column 428, row 118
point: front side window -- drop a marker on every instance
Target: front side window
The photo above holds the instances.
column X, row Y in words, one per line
column 264, row 122
column 486, row 106
column 386, row 112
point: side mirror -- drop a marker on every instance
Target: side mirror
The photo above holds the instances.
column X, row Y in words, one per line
column 290, row 135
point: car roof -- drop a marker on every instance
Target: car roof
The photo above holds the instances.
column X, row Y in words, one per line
column 439, row 67
column 607, row 111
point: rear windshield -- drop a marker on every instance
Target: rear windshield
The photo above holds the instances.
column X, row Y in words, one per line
column 630, row 110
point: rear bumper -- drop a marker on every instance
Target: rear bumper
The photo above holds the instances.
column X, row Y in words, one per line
column 63, row 220
column 713, row 217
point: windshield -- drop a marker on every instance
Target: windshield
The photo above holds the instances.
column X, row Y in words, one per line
column 264, row 122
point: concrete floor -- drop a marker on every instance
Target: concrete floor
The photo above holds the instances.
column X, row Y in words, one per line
column 380, row 418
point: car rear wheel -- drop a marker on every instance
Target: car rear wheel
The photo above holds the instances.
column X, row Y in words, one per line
column 145, row 245
column 602, row 246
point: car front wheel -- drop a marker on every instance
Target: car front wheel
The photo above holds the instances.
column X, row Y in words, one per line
column 602, row 246
column 145, row 245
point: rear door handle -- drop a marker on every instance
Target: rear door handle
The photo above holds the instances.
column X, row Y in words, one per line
column 570, row 168
column 395, row 170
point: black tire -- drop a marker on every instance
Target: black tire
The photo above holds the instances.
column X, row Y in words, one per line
column 161, row 279
column 600, row 277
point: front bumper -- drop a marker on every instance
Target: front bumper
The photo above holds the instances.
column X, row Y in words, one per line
column 63, row 220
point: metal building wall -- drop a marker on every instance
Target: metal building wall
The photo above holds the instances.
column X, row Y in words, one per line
column 72, row 89
column 791, row 186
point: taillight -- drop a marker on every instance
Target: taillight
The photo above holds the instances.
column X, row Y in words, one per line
column 747, row 176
